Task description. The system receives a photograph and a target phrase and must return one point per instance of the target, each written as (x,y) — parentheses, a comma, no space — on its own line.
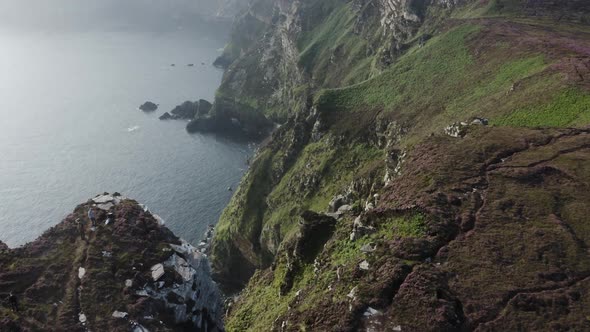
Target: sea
(70,127)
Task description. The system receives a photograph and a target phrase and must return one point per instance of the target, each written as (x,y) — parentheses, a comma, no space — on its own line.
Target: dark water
(70,128)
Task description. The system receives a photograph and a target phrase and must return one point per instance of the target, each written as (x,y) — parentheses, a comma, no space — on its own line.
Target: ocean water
(70,127)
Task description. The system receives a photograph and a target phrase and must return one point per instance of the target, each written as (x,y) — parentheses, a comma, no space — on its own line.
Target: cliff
(131,274)
(442,148)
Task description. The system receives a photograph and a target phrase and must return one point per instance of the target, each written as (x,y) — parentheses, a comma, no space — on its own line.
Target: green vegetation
(260,305)
(571,107)
(332,52)
(446,71)
(320,173)
(443,82)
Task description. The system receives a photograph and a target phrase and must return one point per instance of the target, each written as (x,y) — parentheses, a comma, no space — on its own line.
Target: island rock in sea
(138,276)
(148,106)
(188,110)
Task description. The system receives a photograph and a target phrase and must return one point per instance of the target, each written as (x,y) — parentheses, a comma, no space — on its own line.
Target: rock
(166,116)
(480,122)
(456,130)
(82,318)
(105,207)
(128,283)
(119,314)
(181,267)
(187,110)
(81,272)
(344,208)
(371,312)
(204,107)
(359,230)
(352,293)
(102,199)
(336,203)
(368,248)
(157,271)
(364,265)
(138,327)
(148,106)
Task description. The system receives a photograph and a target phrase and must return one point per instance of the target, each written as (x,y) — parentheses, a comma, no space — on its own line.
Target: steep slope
(130,275)
(369,94)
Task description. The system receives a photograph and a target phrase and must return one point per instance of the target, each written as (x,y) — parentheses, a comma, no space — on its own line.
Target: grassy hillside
(374,133)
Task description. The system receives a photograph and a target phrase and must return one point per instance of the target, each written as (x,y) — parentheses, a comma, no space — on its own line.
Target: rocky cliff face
(403,124)
(128,273)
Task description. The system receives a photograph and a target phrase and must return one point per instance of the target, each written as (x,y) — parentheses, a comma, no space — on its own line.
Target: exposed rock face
(106,281)
(148,106)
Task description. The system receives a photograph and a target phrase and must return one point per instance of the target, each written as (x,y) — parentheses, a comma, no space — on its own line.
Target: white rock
(139,328)
(128,283)
(181,267)
(344,208)
(81,272)
(397,328)
(368,248)
(120,314)
(371,312)
(103,199)
(352,293)
(106,206)
(82,318)
(142,292)
(364,265)
(157,271)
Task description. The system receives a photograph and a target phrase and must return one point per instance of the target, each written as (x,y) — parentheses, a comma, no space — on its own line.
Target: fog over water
(73,73)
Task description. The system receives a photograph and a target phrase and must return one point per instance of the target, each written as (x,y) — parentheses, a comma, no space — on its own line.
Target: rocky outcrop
(148,106)
(188,110)
(129,272)
(228,117)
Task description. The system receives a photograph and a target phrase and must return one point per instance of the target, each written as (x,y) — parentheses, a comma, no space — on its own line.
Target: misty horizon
(85,15)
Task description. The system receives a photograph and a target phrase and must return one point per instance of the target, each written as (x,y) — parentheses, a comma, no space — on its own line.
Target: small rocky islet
(148,106)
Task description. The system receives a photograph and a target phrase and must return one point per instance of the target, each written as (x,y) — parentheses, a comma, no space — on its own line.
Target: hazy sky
(93,14)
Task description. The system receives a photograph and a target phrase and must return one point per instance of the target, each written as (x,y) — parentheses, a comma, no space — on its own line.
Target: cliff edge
(127,272)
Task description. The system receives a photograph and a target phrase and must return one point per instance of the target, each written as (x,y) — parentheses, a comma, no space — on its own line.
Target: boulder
(480,122)
(186,110)
(336,203)
(166,116)
(157,271)
(148,106)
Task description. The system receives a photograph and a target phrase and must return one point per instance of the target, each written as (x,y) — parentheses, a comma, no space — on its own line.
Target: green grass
(331,51)
(419,76)
(334,168)
(570,107)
